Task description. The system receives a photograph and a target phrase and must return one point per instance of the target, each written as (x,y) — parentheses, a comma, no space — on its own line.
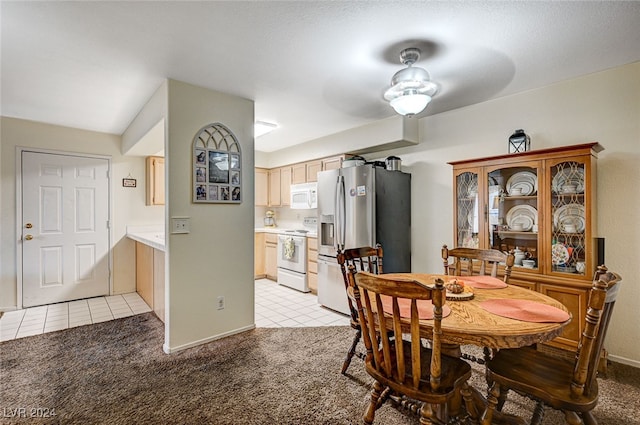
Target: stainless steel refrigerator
(361,206)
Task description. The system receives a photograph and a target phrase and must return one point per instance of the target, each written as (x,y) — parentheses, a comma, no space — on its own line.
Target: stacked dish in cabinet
(569,217)
(517,227)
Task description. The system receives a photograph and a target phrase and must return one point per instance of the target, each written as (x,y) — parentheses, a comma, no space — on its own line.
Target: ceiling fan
(411,88)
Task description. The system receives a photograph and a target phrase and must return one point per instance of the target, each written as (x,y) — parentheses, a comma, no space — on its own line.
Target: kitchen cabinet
(271,255)
(285,186)
(299,173)
(154,180)
(275,187)
(262,187)
(313,168)
(158,283)
(150,277)
(272,187)
(332,163)
(541,203)
(312,264)
(258,255)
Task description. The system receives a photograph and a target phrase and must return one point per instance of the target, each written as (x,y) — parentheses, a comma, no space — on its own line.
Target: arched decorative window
(217,166)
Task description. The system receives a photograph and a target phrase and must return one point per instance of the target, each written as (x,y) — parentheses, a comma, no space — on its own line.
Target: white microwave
(304,196)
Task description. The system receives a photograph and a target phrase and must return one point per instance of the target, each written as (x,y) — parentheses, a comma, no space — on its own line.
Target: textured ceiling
(314,67)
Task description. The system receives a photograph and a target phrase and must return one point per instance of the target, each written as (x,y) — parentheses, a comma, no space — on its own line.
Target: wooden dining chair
(470,261)
(403,366)
(483,262)
(569,386)
(363,259)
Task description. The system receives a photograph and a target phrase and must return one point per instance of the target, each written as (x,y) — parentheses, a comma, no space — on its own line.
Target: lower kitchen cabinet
(158,283)
(150,277)
(271,255)
(258,256)
(312,264)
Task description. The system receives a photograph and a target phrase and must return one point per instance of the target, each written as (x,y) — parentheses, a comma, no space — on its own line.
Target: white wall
(128,203)
(216,257)
(602,107)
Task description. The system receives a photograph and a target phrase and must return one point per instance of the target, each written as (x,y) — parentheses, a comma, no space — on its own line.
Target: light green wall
(216,257)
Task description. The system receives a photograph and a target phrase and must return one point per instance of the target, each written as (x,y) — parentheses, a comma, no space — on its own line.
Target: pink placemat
(525,310)
(425,307)
(483,282)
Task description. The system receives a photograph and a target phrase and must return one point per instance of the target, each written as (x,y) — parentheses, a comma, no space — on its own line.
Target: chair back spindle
(602,298)
(467,260)
(362,259)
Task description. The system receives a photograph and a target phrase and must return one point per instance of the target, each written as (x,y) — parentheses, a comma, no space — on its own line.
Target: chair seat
(454,372)
(541,376)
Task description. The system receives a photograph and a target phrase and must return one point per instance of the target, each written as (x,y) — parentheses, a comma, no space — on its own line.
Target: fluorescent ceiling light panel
(262,127)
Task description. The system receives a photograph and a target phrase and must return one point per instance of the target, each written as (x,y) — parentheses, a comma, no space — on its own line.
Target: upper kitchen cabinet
(155,180)
(262,187)
(332,163)
(285,185)
(299,173)
(313,168)
(541,205)
(275,188)
(306,172)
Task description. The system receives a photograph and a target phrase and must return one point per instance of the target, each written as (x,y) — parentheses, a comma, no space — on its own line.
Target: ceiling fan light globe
(410,104)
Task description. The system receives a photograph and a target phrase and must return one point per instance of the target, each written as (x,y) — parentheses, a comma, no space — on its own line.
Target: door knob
(28,237)
(28,225)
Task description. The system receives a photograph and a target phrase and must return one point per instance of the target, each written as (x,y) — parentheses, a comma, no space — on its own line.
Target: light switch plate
(180,224)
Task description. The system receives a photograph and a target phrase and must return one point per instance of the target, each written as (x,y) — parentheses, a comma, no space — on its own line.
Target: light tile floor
(55,317)
(276,306)
(279,306)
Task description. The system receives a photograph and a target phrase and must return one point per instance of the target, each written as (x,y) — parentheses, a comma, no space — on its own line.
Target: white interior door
(65,229)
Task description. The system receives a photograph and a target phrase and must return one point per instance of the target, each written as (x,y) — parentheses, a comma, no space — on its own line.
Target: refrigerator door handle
(340,213)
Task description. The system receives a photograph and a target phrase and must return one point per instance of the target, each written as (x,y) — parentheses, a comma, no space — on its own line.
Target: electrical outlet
(220,303)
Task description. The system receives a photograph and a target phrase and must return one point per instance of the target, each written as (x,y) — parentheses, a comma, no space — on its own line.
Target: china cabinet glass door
(569,218)
(513,212)
(467,210)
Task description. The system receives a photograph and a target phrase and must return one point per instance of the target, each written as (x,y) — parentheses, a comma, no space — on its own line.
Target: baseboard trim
(624,360)
(171,350)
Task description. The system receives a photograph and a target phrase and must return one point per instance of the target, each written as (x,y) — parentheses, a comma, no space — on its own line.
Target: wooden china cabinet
(542,204)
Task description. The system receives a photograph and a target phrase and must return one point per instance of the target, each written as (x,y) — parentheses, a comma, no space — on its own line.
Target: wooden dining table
(470,323)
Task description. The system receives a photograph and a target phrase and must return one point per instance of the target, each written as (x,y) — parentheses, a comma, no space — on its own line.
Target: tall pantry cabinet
(542,205)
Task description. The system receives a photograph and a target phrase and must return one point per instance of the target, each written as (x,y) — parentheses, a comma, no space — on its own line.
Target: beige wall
(216,257)
(603,107)
(128,203)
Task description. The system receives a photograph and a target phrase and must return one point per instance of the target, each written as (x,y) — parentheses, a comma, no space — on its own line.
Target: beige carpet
(116,373)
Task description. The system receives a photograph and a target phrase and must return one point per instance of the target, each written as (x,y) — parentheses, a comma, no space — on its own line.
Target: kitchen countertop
(310,234)
(155,238)
(152,236)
